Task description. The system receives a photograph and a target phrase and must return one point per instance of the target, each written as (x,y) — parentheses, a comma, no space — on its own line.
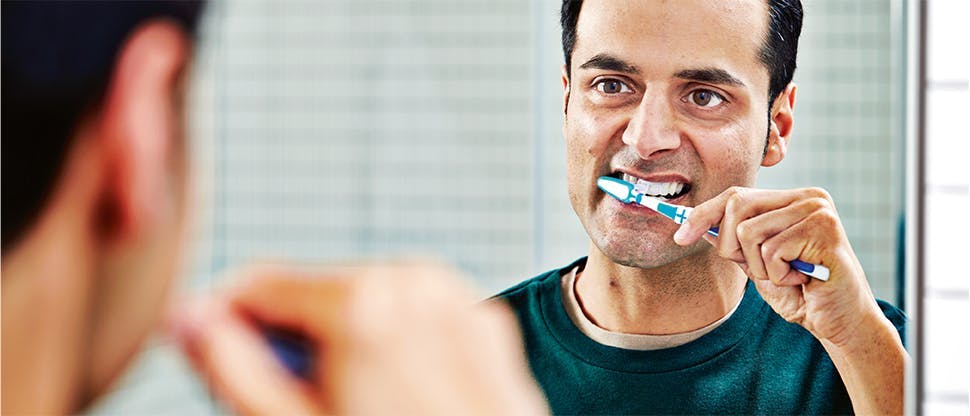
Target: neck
(672,299)
(47,299)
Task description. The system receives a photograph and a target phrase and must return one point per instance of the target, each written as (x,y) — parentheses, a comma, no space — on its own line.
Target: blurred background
(337,129)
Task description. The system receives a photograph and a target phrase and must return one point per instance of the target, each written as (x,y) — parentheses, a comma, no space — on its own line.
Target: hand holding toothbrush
(771,234)
(761,230)
(386,338)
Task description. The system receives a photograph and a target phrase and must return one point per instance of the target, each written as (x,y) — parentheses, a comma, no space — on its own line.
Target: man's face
(672,93)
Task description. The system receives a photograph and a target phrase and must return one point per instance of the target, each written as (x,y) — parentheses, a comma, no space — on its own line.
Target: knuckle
(825,218)
(819,192)
(770,251)
(816,204)
(736,196)
(734,190)
(746,232)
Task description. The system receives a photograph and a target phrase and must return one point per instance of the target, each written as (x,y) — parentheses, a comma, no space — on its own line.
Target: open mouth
(663,190)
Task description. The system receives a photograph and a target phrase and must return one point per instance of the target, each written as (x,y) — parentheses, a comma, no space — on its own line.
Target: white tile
(946,241)
(948,140)
(946,408)
(946,363)
(947,56)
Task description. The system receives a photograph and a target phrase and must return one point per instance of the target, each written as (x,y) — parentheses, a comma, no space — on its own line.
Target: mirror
(340,129)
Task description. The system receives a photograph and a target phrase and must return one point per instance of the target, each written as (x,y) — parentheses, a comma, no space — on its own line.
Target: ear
(565,89)
(141,127)
(782,121)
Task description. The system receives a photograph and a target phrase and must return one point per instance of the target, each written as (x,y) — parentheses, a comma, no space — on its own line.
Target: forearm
(871,366)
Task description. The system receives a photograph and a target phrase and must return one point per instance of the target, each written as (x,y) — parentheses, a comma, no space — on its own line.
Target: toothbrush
(627,193)
(293,351)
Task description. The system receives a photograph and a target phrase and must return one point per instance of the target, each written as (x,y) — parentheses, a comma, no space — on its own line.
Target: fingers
(404,337)
(747,218)
(237,363)
(762,231)
(727,210)
(703,217)
(284,296)
(810,240)
(752,233)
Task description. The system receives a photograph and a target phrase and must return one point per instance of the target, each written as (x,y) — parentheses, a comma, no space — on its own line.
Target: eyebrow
(710,75)
(610,63)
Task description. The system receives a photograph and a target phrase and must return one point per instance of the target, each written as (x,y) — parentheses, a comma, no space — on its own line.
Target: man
(94,195)
(690,98)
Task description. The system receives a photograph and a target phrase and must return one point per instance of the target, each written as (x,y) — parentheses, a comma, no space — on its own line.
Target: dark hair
(777,53)
(57,58)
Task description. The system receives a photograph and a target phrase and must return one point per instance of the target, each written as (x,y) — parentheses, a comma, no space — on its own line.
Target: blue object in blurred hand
(293,351)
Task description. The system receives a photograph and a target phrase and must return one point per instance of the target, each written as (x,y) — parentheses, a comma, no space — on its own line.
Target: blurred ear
(141,125)
(779,131)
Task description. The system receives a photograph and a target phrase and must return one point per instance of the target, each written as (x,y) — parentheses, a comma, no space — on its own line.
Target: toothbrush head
(617,188)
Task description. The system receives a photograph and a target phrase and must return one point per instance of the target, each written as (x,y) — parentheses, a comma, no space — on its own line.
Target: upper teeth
(654,188)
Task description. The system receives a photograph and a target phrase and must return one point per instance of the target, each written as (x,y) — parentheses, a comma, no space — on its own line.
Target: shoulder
(526,288)
(527,291)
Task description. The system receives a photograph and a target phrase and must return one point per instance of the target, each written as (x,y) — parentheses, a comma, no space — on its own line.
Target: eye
(612,86)
(706,98)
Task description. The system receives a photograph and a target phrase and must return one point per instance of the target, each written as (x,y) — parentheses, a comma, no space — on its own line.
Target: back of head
(57,58)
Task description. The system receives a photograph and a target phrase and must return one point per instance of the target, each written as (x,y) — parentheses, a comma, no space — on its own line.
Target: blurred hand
(405,338)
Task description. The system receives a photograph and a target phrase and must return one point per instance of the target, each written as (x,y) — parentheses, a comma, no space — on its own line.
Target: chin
(639,260)
(642,254)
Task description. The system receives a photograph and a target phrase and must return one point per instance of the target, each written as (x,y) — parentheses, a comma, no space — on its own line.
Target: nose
(651,127)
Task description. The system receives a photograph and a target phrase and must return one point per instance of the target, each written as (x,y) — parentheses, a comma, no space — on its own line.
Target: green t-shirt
(753,363)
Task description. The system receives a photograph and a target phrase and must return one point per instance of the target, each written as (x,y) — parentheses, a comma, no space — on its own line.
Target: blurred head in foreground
(94,187)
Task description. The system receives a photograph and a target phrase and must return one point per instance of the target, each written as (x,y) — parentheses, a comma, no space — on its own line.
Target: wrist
(872,334)
(870,362)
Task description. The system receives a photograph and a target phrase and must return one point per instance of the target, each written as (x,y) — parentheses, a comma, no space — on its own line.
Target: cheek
(588,149)
(590,134)
(732,153)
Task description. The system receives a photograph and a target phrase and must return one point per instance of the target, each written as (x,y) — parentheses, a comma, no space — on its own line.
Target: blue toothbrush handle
(817,271)
(294,352)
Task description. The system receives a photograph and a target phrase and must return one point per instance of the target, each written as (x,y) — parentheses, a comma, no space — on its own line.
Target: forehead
(687,33)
